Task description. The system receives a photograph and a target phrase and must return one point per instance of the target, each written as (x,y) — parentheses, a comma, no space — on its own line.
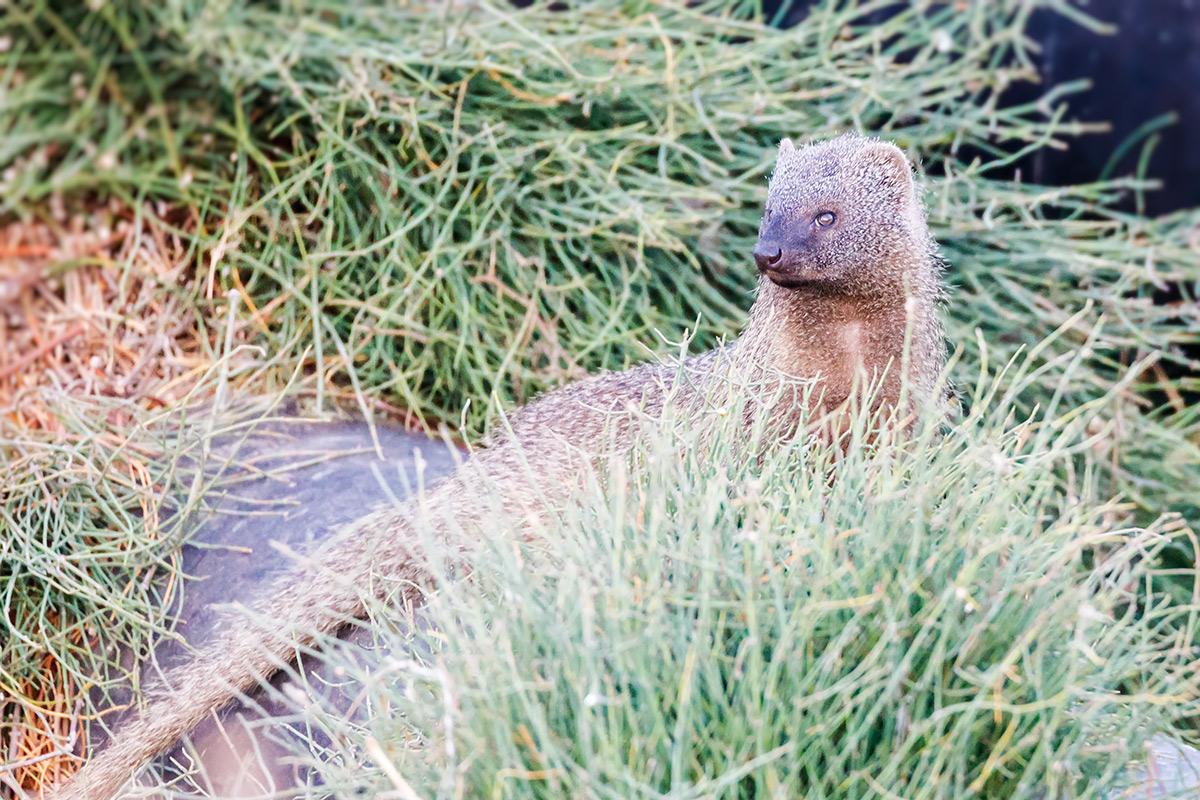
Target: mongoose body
(848,296)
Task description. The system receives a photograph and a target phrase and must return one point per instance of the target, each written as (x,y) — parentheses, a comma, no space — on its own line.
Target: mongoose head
(842,215)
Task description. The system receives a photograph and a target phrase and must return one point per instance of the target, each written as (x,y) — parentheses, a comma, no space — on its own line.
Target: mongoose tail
(850,283)
(358,563)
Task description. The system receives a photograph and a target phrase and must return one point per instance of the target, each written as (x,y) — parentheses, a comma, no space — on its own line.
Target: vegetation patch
(933,618)
(429,210)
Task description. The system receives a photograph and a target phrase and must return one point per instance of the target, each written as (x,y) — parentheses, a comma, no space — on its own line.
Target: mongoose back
(848,275)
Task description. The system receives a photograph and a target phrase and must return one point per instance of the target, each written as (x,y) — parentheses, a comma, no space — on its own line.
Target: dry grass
(96,305)
(87,307)
(416,230)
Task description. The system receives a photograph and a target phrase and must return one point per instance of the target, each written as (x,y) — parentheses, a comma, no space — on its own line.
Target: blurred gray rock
(1171,769)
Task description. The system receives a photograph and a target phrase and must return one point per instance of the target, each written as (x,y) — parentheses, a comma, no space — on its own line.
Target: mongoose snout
(798,238)
(767,254)
(785,256)
(791,249)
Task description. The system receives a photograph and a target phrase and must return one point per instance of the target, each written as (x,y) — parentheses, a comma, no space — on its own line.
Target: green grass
(481,203)
(937,619)
(441,209)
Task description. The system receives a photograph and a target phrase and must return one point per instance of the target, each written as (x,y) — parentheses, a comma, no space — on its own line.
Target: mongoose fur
(849,274)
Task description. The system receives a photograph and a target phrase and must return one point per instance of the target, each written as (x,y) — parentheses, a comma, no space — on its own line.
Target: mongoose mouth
(789,280)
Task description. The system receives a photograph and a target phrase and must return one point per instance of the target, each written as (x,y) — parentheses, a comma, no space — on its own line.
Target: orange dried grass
(86,305)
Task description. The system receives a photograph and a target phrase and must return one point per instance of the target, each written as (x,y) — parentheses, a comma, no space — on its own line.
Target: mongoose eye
(826,218)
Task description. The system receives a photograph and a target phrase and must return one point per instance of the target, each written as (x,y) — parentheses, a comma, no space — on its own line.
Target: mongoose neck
(846,339)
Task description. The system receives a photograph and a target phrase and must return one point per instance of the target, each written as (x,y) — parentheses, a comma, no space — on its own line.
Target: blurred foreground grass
(930,619)
(433,208)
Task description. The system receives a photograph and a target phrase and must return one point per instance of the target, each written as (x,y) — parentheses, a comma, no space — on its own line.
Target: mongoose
(848,272)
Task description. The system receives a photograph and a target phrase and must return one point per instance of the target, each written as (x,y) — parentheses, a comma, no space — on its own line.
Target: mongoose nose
(767,255)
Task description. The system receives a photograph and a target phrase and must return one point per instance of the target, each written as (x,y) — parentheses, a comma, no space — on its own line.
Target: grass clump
(433,209)
(89,559)
(456,203)
(935,618)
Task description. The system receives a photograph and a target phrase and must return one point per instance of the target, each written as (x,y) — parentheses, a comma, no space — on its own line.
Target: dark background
(1149,68)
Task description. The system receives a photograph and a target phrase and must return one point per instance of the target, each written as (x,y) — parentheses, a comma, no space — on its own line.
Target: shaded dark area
(1145,79)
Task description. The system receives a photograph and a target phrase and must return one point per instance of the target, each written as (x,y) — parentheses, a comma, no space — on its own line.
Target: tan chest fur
(846,345)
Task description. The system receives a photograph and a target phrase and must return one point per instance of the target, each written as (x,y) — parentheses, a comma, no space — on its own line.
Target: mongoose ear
(896,165)
(786,148)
